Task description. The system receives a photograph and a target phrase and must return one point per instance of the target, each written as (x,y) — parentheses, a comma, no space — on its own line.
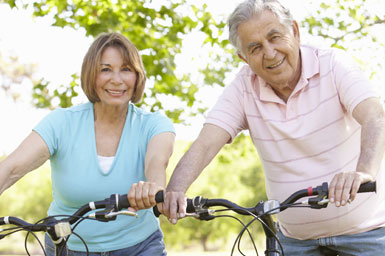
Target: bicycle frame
(60,229)
(199,208)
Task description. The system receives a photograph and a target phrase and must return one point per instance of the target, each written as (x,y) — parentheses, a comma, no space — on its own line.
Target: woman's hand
(142,195)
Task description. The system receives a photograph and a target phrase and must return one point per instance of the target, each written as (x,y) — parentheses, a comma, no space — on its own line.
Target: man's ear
(242,58)
(296,30)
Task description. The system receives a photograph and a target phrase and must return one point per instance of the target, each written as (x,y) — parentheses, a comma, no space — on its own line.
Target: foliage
(13,74)
(341,21)
(30,197)
(353,26)
(157,29)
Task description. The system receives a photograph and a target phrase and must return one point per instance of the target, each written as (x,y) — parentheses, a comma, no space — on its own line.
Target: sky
(58,53)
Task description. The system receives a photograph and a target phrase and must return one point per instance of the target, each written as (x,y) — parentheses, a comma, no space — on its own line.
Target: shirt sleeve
(228,112)
(159,124)
(49,129)
(352,84)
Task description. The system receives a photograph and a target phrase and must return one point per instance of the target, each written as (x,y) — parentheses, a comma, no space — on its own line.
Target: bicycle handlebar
(322,191)
(199,205)
(118,202)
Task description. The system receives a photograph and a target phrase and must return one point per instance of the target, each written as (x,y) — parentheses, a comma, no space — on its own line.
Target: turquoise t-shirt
(78,179)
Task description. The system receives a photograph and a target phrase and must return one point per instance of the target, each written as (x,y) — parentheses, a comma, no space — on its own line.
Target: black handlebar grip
(159,198)
(123,201)
(189,209)
(368,187)
(190,206)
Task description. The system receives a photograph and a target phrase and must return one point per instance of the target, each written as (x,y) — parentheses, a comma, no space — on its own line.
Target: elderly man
(313,117)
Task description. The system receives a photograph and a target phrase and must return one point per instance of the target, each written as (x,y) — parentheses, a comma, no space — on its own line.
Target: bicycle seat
(327,251)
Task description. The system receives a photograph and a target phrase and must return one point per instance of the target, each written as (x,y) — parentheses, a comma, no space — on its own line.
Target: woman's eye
(126,69)
(105,70)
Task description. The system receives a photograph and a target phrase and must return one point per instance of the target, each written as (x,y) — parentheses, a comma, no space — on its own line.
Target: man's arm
(210,140)
(370,115)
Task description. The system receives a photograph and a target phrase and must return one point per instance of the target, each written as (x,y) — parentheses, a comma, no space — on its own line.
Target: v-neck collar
(93,134)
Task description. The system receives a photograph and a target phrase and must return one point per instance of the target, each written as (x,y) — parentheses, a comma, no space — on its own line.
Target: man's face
(271,50)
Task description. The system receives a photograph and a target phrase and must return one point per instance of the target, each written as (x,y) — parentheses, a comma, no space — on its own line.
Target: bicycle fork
(272,246)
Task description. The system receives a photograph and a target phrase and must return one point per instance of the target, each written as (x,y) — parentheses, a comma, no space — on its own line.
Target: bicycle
(199,208)
(61,229)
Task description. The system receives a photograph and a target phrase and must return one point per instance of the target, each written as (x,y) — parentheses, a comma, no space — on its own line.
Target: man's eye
(275,37)
(255,49)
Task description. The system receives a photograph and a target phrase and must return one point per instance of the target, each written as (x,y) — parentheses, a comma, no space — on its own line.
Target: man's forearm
(210,140)
(372,145)
(188,169)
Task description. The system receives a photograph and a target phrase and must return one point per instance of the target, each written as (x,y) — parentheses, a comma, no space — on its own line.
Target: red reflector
(309,191)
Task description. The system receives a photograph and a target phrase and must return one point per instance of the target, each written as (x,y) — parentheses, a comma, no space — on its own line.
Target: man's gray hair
(253,8)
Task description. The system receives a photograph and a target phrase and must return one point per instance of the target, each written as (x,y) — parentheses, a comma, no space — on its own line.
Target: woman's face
(115,81)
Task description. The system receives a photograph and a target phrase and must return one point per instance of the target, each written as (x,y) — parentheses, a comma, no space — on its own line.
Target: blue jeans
(152,246)
(364,244)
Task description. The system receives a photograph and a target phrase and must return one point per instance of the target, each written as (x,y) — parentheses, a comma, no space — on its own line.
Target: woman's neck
(110,114)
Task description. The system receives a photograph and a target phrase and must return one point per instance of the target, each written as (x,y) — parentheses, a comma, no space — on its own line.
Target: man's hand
(344,186)
(174,206)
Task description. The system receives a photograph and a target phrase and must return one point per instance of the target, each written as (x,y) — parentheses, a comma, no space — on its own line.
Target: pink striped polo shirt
(307,140)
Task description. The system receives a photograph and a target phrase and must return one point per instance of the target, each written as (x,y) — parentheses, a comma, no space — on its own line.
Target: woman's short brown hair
(91,64)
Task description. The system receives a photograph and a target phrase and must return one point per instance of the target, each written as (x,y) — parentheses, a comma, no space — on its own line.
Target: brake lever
(123,212)
(318,202)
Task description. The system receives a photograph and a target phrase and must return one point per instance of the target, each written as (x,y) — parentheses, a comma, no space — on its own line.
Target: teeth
(114,92)
(276,64)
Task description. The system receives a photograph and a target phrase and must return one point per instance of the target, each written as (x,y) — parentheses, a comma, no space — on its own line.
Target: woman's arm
(159,150)
(30,154)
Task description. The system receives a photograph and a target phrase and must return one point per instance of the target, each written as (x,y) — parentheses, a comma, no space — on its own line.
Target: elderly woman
(105,146)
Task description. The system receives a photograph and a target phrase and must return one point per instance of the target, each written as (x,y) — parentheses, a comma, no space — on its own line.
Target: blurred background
(188,60)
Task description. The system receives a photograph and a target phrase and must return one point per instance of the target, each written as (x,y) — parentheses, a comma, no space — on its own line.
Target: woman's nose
(116,77)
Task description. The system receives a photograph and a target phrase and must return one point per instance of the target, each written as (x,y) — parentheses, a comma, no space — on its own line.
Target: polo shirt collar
(310,67)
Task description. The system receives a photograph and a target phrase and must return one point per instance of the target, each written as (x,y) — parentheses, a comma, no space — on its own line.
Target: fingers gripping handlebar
(124,203)
(320,191)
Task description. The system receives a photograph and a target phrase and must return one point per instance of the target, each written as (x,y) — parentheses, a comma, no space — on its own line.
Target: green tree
(341,21)
(157,28)
(351,25)
(13,74)
(28,199)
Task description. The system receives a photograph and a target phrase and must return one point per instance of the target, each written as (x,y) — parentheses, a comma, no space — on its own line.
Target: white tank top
(105,163)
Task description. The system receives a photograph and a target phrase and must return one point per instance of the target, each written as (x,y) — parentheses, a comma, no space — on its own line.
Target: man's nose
(269,51)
